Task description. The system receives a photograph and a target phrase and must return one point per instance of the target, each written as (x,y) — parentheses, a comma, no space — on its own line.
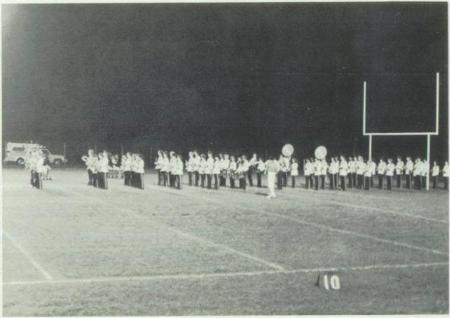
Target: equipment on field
(287,150)
(320,152)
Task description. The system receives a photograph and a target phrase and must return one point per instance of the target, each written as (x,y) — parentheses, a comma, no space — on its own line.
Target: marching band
(213,171)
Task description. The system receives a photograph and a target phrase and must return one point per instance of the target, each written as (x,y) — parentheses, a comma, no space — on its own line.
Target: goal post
(428,134)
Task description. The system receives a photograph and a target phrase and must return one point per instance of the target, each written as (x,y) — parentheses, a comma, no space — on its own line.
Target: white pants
(271,176)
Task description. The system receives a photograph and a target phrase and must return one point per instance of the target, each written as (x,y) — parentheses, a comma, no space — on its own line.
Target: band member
(381,170)
(425,172)
(89,161)
(190,167)
(209,169)
(126,168)
(323,173)
(225,164)
(260,169)
(317,173)
(435,174)
(158,167)
(202,170)
(334,172)
(343,171)
(280,173)
(367,175)
(308,171)
(399,168)
(173,167)
(242,170)
(103,168)
(390,168)
(373,170)
(285,165)
(446,174)
(417,173)
(232,171)
(178,171)
(34,161)
(294,171)
(272,168)
(409,167)
(351,172)
(360,169)
(46,168)
(251,169)
(138,171)
(216,172)
(196,167)
(114,168)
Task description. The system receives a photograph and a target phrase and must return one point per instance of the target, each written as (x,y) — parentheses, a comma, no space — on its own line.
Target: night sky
(225,77)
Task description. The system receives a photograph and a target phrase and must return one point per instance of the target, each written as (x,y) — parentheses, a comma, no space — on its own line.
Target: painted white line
(378,210)
(36,265)
(223,275)
(197,238)
(320,226)
(354,206)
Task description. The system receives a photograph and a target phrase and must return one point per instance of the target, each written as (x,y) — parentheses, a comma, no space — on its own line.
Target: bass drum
(287,150)
(320,152)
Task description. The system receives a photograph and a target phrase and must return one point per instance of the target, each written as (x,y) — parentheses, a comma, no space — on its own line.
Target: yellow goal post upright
(428,134)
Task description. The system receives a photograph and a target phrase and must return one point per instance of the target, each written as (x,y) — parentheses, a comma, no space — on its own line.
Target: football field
(72,249)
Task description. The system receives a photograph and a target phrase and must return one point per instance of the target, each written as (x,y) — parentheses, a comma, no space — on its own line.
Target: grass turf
(76,250)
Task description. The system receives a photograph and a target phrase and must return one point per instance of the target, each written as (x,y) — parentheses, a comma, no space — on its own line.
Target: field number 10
(331,282)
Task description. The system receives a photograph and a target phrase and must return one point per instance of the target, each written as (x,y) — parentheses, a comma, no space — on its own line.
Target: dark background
(225,77)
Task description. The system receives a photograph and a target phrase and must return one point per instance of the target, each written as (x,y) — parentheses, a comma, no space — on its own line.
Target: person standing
(323,172)
(196,167)
(89,161)
(225,164)
(360,169)
(260,169)
(381,170)
(272,168)
(446,174)
(209,169)
(158,167)
(280,173)
(232,171)
(317,173)
(390,168)
(409,168)
(308,171)
(178,172)
(242,169)
(417,173)
(190,167)
(343,171)
(139,170)
(367,175)
(251,169)
(103,169)
(294,171)
(435,174)
(351,171)
(425,172)
(216,172)
(202,170)
(399,168)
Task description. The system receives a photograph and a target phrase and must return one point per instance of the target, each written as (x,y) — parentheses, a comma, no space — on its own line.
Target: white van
(16,152)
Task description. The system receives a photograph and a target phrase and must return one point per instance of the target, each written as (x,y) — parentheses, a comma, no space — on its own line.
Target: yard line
(107,279)
(355,206)
(318,225)
(36,265)
(198,239)
(378,209)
